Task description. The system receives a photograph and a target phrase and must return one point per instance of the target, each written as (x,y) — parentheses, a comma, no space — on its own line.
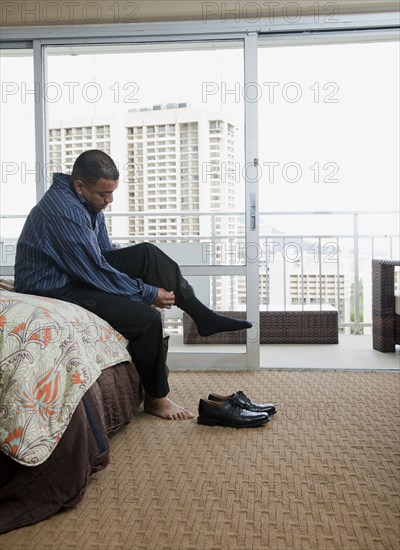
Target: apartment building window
(66,144)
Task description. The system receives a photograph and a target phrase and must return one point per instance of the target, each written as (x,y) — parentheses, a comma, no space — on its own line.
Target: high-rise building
(172,157)
(68,141)
(180,159)
(327,285)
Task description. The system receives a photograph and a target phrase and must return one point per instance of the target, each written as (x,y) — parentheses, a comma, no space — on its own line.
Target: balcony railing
(296,267)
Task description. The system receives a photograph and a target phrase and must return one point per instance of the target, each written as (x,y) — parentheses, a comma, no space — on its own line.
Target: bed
(66,383)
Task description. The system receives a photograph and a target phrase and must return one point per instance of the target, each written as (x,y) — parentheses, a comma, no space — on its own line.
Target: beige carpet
(323,474)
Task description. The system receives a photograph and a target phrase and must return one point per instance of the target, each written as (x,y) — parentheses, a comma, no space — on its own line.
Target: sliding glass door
(329,142)
(172,115)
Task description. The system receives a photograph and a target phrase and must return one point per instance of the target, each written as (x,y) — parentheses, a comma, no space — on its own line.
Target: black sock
(208,322)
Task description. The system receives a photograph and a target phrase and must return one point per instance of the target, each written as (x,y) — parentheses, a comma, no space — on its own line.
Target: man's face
(98,195)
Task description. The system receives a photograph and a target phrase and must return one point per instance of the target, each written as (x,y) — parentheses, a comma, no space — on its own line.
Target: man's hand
(164,299)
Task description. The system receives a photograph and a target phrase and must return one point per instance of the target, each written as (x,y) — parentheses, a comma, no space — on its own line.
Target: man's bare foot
(165,408)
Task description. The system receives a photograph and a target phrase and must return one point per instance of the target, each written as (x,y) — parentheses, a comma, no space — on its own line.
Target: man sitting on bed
(64,252)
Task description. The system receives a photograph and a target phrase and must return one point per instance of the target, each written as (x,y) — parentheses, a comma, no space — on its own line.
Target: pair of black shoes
(236,411)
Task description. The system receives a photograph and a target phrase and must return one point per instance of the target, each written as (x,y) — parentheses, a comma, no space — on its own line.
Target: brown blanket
(31,494)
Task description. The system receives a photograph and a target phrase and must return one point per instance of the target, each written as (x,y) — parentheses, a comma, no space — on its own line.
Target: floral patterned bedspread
(51,352)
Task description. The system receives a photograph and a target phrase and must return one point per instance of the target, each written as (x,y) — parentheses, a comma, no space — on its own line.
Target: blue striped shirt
(63,242)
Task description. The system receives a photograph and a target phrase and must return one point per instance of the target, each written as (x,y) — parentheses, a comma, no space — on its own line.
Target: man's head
(95,178)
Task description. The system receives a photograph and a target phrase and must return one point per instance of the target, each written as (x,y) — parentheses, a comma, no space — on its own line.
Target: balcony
(354,352)
(344,257)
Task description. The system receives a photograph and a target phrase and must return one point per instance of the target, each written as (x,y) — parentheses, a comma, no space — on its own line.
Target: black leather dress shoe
(228,413)
(243,401)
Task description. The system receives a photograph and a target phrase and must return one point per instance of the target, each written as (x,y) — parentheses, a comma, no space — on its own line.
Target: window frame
(346,27)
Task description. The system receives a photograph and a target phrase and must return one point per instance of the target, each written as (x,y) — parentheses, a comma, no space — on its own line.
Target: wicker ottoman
(295,325)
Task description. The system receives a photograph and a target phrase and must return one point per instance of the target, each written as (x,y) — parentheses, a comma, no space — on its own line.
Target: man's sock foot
(215,323)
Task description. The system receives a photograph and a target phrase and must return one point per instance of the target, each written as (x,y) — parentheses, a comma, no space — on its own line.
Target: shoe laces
(238,399)
(235,401)
(241,395)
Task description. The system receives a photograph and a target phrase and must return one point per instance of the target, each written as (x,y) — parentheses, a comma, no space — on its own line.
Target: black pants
(138,322)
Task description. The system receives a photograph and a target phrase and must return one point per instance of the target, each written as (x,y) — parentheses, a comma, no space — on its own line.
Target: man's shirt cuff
(149,294)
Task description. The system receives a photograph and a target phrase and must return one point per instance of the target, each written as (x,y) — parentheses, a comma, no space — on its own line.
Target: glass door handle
(253,212)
